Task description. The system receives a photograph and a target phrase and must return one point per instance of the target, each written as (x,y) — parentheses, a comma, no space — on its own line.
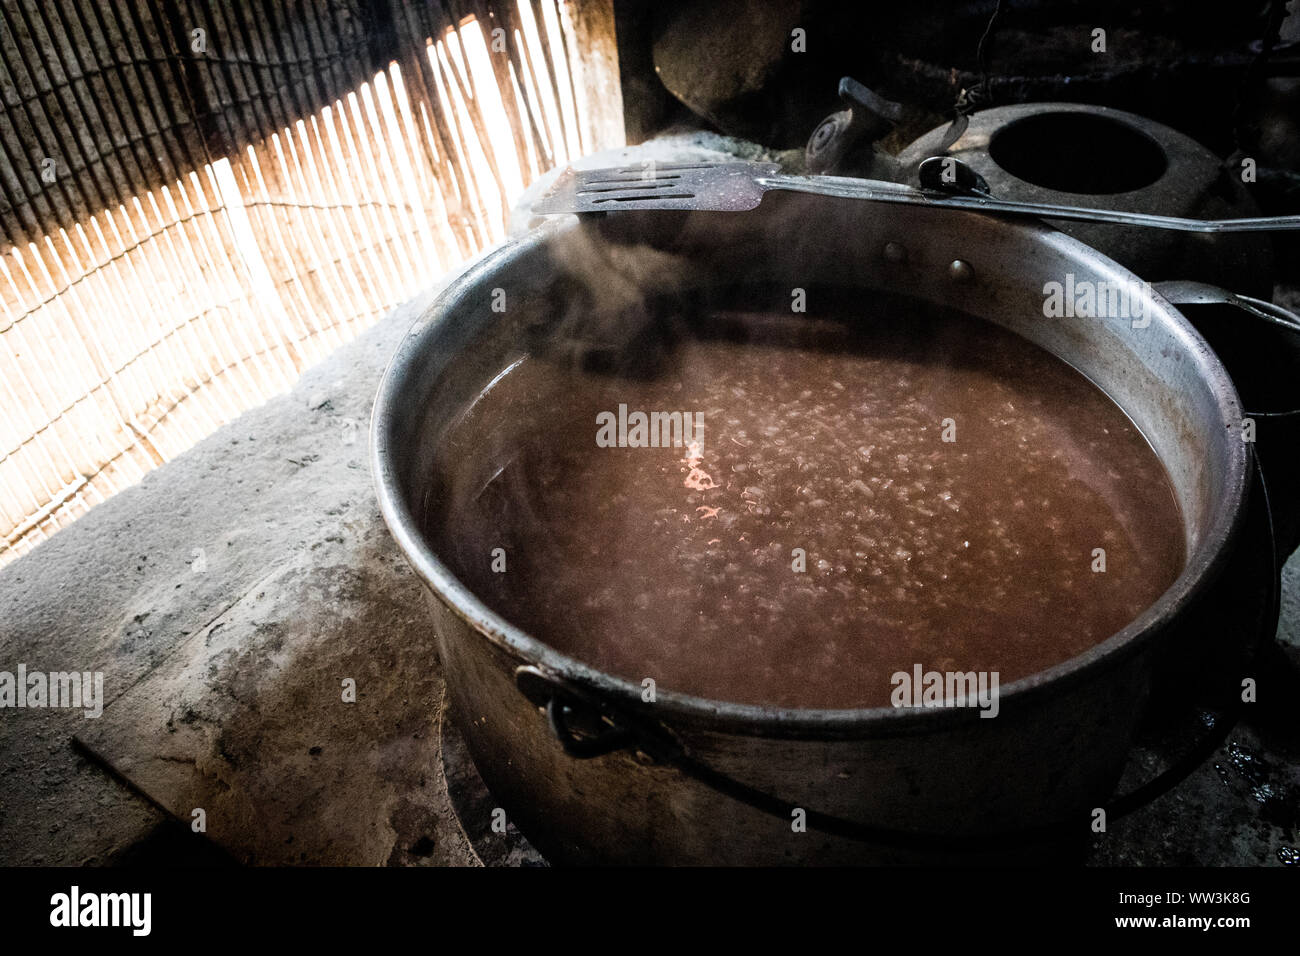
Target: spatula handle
(873,191)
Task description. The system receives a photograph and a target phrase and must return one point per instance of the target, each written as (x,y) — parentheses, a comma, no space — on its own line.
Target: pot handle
(587,727)
(1187,292)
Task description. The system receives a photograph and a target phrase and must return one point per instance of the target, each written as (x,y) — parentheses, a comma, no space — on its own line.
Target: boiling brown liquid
(676,563)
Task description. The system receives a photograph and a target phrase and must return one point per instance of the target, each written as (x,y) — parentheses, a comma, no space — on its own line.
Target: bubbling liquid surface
(926,489)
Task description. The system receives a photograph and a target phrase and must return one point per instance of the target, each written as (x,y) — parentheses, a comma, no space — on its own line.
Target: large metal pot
(687,780)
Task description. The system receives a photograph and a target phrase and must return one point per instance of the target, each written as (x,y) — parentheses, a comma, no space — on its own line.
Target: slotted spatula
(737,187)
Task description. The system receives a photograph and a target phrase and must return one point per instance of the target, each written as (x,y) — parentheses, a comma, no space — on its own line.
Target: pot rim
(674,708)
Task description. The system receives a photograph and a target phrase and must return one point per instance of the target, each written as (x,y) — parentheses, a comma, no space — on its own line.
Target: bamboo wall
(200,199)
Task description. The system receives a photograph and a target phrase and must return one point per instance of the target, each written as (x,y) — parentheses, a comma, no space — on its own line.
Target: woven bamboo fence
(201,199)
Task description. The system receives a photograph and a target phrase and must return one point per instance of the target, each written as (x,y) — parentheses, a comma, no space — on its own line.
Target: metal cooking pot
(592,773)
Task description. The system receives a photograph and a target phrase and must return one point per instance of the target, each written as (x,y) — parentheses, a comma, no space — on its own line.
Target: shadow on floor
(173,844)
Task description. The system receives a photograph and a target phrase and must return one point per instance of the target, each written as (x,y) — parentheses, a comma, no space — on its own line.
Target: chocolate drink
(924,488)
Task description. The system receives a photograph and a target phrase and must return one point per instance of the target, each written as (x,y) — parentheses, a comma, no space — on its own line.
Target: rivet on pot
(895,252)
(961,271)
